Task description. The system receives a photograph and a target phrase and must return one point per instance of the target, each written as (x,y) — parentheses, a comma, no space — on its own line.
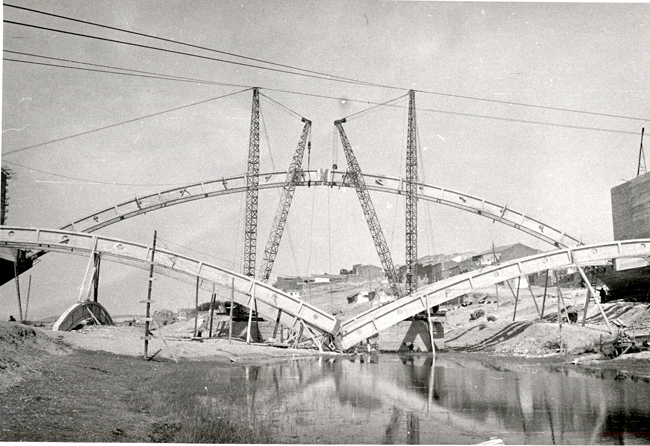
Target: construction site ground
(87,385)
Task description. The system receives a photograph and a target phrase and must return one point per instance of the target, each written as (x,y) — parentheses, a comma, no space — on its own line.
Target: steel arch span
(323,177)
(268,301)
(373,321)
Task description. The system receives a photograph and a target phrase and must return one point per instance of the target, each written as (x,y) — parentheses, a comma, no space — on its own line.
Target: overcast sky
(511,101)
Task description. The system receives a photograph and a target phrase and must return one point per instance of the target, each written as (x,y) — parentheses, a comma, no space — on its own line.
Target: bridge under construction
(21,246)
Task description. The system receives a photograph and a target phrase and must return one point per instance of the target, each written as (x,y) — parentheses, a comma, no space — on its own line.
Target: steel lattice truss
(411,200)
(252,188)
(294,175)
(355,176)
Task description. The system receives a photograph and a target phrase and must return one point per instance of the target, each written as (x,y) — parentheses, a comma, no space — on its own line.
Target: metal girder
(252,188)
(321,177)
(373,321)
(355,176)
(177,266)
(293,176)
(411,199)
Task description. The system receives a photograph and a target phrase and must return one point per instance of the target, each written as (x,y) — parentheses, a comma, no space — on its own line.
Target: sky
(537,106)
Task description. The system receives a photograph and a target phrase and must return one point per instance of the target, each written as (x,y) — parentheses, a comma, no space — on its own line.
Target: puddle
(393,399)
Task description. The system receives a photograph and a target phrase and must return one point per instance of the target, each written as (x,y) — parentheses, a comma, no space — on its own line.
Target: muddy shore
(93,384)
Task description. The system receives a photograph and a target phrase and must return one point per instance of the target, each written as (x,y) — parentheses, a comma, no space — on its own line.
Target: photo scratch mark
(16,130)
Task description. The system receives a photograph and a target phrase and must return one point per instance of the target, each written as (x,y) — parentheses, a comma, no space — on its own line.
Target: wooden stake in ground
(433,345)
(544,299)
(148,301)
(534,299)
(196,306)
(250,313)
(232,304)
(602,312)
(29,288)
(171,352)
(212,301)
(514,313)
(20,307)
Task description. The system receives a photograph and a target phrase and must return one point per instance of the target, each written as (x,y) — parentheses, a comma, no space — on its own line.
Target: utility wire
(181,53)
(146,74)
(282,106)
(10,152)
(388,104)
(85,180)
(162,39)
(307,73)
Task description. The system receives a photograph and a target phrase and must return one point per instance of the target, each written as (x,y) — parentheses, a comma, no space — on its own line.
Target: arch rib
(270,300)
(323,177)
(371,322)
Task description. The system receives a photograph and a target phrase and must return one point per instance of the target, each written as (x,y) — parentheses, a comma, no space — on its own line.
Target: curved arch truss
(287,309)
(323,177)
(373,321)
(266,300)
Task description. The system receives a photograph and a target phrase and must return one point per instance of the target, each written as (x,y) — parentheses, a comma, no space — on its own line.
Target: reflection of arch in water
(82,312)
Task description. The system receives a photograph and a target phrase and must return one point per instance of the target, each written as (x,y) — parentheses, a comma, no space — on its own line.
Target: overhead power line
(305,72)
(128,71)
(86,180)
(174,78)
(176,42)
(181,53)
(10,152)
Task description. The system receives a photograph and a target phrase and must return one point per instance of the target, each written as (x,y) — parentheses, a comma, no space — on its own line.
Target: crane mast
(293,176)
(411,199)
(252,188)
(355,176)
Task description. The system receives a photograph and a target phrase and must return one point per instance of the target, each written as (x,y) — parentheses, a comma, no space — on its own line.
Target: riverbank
(94,385)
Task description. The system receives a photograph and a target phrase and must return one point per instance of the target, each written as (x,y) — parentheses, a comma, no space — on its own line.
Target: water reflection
(412,399)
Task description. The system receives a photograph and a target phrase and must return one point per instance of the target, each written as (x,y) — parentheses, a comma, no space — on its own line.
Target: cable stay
(294,175)
(375,107)
(355,176)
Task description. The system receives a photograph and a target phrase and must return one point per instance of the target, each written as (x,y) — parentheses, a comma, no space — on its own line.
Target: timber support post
(232,304)
(149,301)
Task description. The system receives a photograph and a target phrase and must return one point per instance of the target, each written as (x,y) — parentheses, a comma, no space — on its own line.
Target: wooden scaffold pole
(149,301)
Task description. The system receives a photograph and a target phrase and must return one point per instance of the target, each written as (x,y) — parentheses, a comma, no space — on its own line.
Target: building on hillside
(368,272)
(444,270)
(329,278)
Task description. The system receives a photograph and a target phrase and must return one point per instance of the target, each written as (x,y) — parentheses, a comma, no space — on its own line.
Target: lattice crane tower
(294,175)
(411,199)
(252,188)
(356,177)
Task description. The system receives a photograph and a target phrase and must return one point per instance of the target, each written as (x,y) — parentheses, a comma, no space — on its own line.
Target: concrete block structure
(631,208)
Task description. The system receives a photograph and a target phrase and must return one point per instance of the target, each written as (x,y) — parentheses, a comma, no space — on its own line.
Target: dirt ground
(81,386)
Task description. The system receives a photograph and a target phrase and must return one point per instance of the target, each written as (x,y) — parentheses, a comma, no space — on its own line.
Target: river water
(456,399)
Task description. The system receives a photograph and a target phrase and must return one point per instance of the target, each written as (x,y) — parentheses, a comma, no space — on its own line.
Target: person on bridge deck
(12,319)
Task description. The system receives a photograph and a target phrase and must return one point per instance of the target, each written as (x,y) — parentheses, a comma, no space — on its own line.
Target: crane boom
(282,212)
(356,177)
